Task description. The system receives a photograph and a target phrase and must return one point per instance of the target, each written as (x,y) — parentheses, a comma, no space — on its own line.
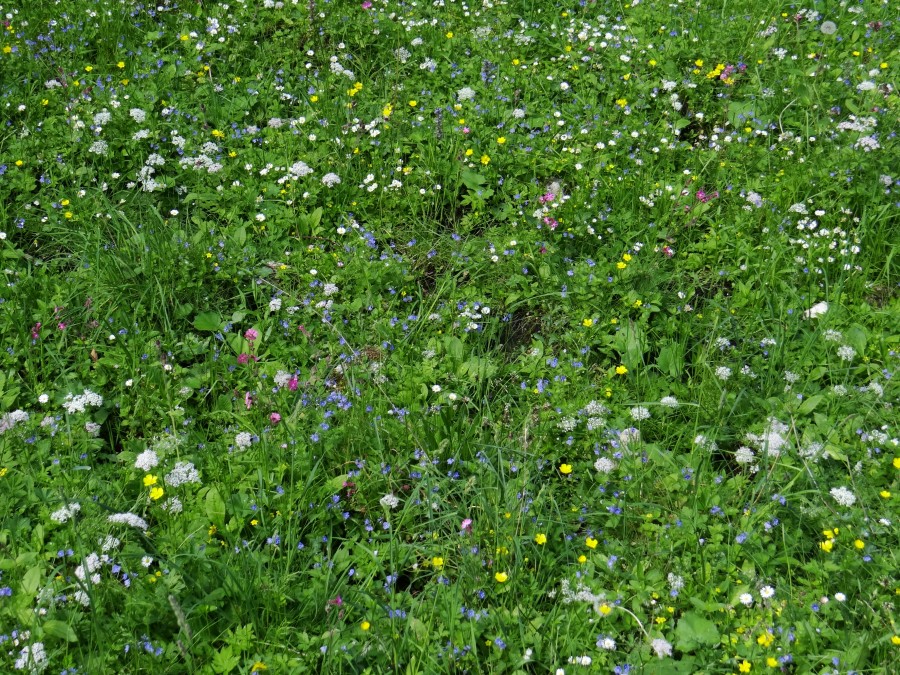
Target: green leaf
(208,321)
(809,405)
(473,180)
(32,580)
(215,507)
(694,630)
(60,629)
(225,661)
(336,483)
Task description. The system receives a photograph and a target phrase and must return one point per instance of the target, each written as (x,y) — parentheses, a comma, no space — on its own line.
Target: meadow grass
(446,337)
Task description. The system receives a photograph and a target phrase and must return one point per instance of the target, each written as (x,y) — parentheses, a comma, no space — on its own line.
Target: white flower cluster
(128,519)
(604,465)
(243,440)
(11,419)
(389,501)
(843,496)
(181,474)
(63,514)
(78,404)
(146,460)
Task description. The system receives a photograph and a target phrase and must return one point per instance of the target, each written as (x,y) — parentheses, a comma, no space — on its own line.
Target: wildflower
(413,104)
(501,577)
(258,666)
(591,543)
(621,370)
(746,599)
(156,493)
(146,460)
(816,310)
(437,562)
(587,323)
(501,140)
(846,352)
(149,480)
(661,648)
(828,28)
(565,469)
(389,501)
(669,402)
(745,666)
(485,160)
(604,465)
(766,592)
(827,545)
(365,625)
(859,544)
(604,609)
(723,373)
(772,662)
(466,526)
(540,539)
(843,496)
(128,519)
(582,559)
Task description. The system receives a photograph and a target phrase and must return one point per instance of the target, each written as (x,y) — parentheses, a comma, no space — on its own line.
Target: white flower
(580,660)
(68,511)
(466,94)
(639,413)
(331,179)
(661,647)
(604,465)
(43,398)
(846,352)
(128,519)
(828,27)
(669,402)
(389,501)
(243,440)
(816,310)
(146,561)
(181,474)
(840,597)
(33,657)
(606,643)
(723,373)
(843,496)
(746,599)
(274,304)
(436,388)
(766,592)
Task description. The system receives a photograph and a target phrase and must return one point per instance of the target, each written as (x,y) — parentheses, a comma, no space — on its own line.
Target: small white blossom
(843,496)
(661,648)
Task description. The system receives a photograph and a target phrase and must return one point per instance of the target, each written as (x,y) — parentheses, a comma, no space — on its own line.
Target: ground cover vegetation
(425,337)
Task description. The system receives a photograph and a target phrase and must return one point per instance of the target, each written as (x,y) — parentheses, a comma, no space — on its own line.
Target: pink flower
(466,526)
(251,334)
(243,358)
(292,383)
(248,400)
(61,326)
(274,418)
(366,4)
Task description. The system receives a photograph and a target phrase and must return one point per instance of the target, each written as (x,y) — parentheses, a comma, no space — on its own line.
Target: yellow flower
(591,542)
(516,62)
(626,257)
(860,544)
(896,459)
(501,577)
(45,101)
(582,559)
(449,34)
(212,530)
(19,162)
(587,323)
(895,640)
(259,665)
(387,110)
(413,104)
(765,639)
(156,493)
(620,265)
(652,62)
(68,214)
(65,202)
(501,140)
(218,134)
(604,609)
(621,102)
(565,469)
(885,494)
(772,662)
(638,303)
(539,539)
(699,63)
(365,625)
(120,64)
(745,666)
(88,69)
(149,480)
(621,370)
(254,522)
(313,98)
(437,562)
(485,160)
(4,471)
(827,545)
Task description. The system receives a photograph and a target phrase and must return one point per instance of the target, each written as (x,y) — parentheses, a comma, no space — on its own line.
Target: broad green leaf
(694,630)
(208,321)
(215,507)
(60,629)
